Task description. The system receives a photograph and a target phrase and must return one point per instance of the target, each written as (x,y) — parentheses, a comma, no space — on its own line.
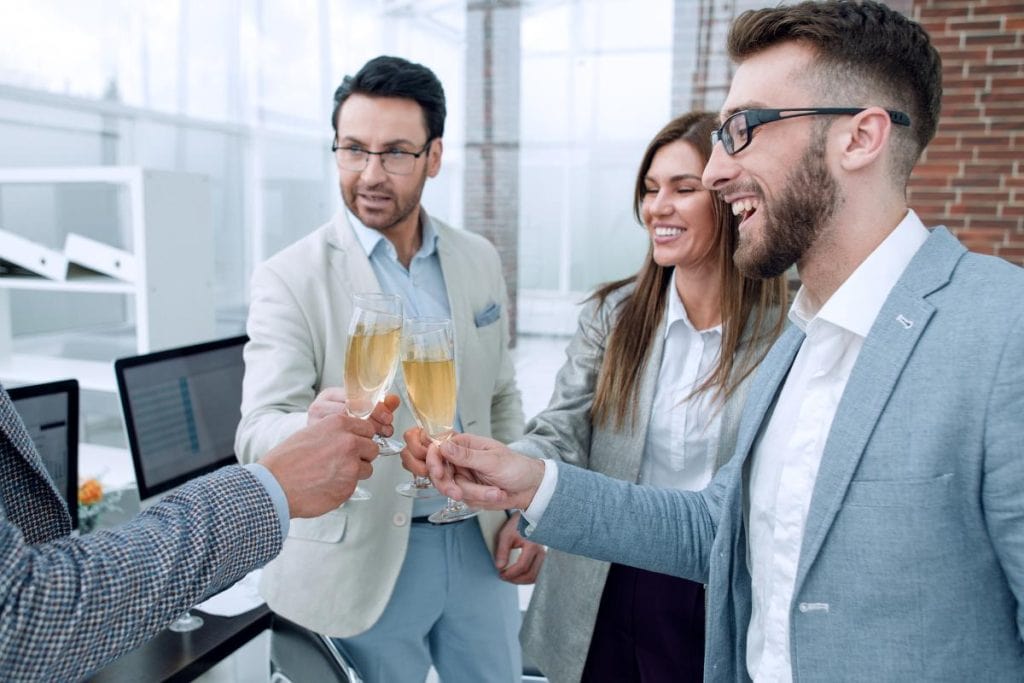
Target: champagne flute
(428,365)
(371,360)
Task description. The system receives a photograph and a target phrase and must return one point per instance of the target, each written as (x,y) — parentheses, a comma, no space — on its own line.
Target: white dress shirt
(784,467)
(682,435)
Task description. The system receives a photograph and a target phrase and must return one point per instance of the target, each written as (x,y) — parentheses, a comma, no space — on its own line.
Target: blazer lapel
(631,444)
(886,351)
(350,264)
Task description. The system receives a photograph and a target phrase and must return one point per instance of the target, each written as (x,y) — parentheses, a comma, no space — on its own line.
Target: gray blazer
(912,566)
(72,604)
(560,622)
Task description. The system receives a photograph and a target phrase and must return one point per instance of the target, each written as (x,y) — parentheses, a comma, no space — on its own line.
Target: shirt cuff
(275,492)
(545,491)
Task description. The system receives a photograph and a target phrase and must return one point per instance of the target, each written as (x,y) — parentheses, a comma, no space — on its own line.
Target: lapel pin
(907,324)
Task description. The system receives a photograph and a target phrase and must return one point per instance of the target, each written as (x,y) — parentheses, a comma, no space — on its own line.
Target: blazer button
(802,607)
(400,519)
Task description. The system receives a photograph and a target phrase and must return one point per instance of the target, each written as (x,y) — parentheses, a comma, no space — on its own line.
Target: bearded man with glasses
(870,524)
(395,593)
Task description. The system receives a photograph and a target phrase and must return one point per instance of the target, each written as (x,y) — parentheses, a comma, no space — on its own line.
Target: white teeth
(667,232)
(742,206)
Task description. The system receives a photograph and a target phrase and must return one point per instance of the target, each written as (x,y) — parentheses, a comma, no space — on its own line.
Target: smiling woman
(650,393)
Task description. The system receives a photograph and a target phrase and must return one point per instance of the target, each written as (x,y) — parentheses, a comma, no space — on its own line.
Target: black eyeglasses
(737,131)
(395,161)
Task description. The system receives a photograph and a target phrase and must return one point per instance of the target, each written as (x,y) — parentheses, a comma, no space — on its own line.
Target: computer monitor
(50,412)
(181,409)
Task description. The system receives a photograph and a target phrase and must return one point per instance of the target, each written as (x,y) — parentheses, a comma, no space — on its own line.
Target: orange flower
(90,492)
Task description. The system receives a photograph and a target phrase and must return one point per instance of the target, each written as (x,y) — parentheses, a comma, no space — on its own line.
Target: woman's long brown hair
(744,300)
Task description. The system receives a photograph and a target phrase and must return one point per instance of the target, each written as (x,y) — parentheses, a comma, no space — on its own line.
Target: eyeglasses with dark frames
(738,130)
(395,161)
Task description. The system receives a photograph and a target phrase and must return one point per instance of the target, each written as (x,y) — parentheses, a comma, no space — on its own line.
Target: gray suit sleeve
(563,430)
(662,530)
(73,604)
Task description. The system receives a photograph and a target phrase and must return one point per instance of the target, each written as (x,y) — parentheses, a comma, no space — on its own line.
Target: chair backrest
(298,655)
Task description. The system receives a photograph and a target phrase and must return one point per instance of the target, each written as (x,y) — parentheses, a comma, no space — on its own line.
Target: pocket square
(487,316)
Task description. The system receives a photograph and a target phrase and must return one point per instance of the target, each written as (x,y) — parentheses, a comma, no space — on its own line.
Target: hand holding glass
(371,360)
(428,365)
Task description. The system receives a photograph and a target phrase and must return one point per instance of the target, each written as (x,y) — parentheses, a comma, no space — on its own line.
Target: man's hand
(330,401)
(414,455)
(484,473)
(318,467)
(531,555)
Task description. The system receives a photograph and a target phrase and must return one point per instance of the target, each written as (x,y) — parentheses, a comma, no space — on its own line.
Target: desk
(184,656)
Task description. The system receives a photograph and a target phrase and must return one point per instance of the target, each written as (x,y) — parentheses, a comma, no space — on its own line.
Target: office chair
(298,655)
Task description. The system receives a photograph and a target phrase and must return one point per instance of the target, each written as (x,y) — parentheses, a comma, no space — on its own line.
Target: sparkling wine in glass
(371,360)
(428,366)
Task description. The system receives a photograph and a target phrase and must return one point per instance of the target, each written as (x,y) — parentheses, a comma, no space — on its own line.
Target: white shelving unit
(172,242)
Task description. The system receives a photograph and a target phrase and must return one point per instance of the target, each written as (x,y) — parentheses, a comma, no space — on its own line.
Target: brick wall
(491,179)
(971,177)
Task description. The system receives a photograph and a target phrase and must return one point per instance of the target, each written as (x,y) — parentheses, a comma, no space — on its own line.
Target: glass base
(185,623)
(360,494)
(416,488)
(454,511)
(388,446)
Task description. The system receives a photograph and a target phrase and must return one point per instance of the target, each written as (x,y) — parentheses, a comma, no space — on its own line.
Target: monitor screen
(50,413)
(181,409)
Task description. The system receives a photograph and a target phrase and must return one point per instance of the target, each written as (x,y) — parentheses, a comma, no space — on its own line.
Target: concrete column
(491,192)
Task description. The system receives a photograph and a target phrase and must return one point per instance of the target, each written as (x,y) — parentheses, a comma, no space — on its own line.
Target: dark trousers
(649,629)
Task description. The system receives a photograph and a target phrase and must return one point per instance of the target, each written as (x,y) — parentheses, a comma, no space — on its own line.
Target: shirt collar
(675,311)
(858,301)
(370,239)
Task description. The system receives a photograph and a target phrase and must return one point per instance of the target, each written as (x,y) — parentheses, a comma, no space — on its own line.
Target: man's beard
(795,220)
(403,206)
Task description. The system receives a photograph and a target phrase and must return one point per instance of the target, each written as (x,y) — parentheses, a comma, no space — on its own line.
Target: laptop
(50,413)
(181,408)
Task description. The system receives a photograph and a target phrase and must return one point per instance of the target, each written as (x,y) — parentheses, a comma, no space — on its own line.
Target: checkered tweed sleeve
(73,604)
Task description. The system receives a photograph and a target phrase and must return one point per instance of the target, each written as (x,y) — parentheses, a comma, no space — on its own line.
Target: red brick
(931,170)
(1013,55)
(990,168)
(978,181)
(982,141)
(1011,211)
(983,233)
(989,39)
(994,8)
(997,154)
(961,97)
(956,56)
(1014,24)
(935,195)
(947,42)
(986,23)
(982,198)
(1012,68)
(1004,83)
(939,15)
(943,155)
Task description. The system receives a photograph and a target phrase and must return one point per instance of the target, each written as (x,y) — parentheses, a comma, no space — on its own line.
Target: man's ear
(865,139)
(434,157)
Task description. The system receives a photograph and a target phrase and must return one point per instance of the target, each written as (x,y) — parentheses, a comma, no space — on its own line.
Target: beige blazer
(336,572)
(560,622)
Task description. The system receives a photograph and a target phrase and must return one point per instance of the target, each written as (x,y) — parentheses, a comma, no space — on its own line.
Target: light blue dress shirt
(421,287)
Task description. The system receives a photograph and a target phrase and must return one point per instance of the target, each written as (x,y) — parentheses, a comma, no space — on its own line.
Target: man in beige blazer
(397,593)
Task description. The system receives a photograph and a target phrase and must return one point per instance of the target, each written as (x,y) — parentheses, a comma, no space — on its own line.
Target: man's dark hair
(387,76)
(867,54)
